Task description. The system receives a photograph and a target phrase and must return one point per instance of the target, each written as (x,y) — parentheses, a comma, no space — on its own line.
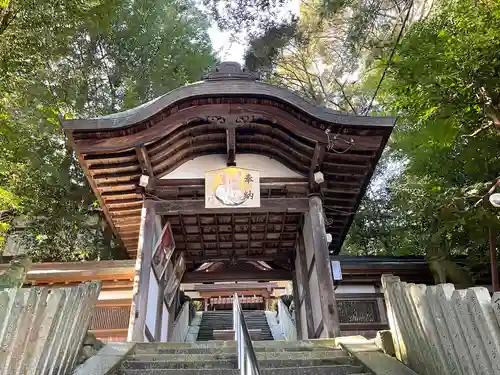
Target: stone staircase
(223,321)
(256,320)
(311,357)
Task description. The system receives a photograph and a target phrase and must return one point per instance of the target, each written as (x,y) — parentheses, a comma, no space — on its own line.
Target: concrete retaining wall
(438,330)
(181,325)
(286,323)
(41,329)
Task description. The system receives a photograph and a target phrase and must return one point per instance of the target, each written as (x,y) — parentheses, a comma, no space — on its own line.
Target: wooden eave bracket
(316,161)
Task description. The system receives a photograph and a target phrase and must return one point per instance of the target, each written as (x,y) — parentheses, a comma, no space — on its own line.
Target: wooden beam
(203,277)
(265,182)
(144,162)
(230,292)
(234,286)
(223,258)
(122,302)
(197,206)
(231,147)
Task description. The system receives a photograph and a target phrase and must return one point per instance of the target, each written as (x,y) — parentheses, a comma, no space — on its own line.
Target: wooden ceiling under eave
(229,113)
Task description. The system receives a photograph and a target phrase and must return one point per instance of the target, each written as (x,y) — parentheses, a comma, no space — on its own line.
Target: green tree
(80,59)
(436,67)
(444,85)
(326,52)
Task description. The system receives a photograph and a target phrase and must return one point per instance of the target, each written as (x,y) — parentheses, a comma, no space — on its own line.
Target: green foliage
(80,59)
(197,305)
(323,54)
(15,275)
(244,15)
(274,305)
(443,83)
(444,86)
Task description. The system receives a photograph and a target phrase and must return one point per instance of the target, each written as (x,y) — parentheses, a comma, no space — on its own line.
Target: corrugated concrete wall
(438,330)
(41,329)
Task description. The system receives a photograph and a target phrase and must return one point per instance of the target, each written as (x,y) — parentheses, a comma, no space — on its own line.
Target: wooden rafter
(250,231)
(233,238)
(282,231)
(200,230)
(231,147)
(217,234)
(257,236)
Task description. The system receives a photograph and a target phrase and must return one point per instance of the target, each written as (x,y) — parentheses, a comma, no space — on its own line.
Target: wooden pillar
(266,304)
(304,281)
(297,305)
(331,327)
(140,290)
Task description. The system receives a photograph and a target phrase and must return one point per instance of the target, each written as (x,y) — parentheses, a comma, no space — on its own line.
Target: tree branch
(489,192)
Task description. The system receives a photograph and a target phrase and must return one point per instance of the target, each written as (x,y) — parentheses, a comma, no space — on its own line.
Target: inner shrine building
(229,180)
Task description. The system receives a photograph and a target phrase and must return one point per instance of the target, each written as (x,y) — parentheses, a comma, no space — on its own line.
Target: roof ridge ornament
(230,70)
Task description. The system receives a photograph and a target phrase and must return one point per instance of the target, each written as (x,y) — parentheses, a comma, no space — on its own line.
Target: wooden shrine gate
(153,166)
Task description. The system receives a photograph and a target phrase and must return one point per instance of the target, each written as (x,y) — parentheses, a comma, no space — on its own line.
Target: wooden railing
(439,330)
(42,329)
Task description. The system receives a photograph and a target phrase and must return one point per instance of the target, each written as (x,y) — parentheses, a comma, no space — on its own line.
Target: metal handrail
(247,360)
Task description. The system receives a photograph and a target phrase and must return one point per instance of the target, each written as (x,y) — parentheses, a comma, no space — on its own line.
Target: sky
(234,51)
(226,50)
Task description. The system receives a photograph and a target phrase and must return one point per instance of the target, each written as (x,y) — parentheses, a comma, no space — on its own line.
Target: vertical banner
(175,280)
(163,251)
(232,187)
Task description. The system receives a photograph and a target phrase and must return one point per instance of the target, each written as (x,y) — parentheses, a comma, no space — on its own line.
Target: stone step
(340,356)
(318,370)
(228,334)
(217,325)
(213,364)
(179,365)
(225,346)
(232,349)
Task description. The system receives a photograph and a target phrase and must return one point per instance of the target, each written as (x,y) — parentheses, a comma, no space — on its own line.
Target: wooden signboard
(174,280)
(163,251)
(232,187)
